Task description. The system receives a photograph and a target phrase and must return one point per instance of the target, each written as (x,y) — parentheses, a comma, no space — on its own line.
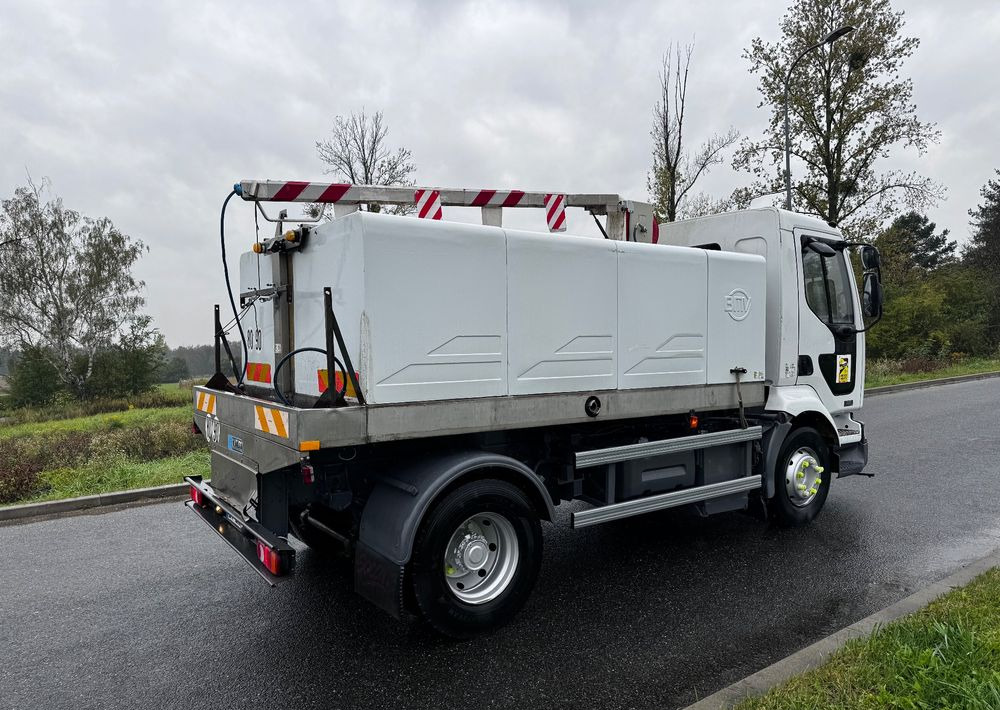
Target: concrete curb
(813,656)
(102,500)
(929,383)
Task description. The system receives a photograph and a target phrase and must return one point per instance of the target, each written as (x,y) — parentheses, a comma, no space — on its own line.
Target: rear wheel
(476,558)
(801,478)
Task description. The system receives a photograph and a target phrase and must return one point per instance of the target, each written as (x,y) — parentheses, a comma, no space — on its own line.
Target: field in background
(83,448)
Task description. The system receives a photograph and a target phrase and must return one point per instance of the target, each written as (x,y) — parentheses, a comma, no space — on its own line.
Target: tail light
(197,496)
(308,473)
(269,558)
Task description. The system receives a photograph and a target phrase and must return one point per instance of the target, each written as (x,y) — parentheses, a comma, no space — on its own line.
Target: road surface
(147,608)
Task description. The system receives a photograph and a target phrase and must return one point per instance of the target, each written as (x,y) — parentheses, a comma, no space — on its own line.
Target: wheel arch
(800,407)
(401,499)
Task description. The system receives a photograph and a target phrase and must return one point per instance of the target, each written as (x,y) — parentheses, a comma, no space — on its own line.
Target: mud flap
(378,579)
(852,459)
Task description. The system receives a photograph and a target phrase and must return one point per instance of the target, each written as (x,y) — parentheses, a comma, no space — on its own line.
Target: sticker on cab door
(843,369)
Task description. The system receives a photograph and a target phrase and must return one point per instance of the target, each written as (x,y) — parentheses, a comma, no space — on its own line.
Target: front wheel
(476,558)
(801,478)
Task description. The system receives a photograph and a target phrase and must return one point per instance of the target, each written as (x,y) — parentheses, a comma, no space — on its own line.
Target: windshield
(828,287)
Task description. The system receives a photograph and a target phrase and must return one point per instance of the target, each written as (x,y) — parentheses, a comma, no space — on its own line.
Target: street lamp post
(829,39)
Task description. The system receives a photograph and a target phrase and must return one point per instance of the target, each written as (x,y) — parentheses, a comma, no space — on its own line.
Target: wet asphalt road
(146,608)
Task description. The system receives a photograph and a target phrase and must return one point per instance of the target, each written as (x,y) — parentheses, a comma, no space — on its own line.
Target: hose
(239,374)
(281,363)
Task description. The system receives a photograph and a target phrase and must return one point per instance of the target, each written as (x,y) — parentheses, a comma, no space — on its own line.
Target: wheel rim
(803,477)
(481,558)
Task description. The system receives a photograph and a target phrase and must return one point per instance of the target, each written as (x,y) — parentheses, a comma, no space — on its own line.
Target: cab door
(831,352)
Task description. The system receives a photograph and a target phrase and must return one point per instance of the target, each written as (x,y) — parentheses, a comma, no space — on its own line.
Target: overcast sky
(148,112)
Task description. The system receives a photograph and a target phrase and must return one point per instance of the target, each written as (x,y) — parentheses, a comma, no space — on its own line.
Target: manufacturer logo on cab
(738,304)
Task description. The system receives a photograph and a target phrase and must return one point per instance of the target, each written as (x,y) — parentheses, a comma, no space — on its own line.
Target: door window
(828,287)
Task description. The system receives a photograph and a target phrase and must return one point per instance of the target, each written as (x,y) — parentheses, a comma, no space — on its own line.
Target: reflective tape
(555,212)
(271,421)
(323,381)
(259,372)
(428,204)
(206,403)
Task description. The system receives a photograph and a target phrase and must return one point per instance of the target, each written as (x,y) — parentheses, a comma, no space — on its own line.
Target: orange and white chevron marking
(271,421)
(206,403)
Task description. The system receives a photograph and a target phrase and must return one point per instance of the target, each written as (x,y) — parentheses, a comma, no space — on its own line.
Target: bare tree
(66,284)
(675,170)
(357,152)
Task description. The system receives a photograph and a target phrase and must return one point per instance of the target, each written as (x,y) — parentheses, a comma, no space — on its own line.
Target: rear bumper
(269,555)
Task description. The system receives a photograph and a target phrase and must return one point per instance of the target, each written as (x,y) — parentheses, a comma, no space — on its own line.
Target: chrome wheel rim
(803,477)
(481,558)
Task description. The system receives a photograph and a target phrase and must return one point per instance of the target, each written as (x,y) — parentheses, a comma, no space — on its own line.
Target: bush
(18,475)
(921,364)
(33,381)
(66,408)
(127,369)
(22,458)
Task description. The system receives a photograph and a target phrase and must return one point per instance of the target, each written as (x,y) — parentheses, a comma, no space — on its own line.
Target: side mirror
(870,259)
(871,298)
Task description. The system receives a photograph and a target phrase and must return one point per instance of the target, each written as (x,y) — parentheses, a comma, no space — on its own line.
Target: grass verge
(62,458)
(944,656)
(119,473)
(161,396)
(881,372)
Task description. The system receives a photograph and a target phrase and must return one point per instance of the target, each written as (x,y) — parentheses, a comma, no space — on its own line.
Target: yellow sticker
(843,369)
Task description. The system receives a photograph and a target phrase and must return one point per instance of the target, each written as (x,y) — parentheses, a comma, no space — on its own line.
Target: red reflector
(197,496)
(269,558)
(308,473)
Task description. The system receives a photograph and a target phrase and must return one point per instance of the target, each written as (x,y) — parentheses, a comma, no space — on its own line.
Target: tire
(798,507)
(492,526)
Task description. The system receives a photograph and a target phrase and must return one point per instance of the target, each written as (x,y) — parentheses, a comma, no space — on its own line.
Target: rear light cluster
(269,558)
(308,473)
(197,496)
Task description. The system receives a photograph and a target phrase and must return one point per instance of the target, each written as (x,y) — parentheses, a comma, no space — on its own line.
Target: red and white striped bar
(428,204)
(292,191)
(555,212)
(496,198)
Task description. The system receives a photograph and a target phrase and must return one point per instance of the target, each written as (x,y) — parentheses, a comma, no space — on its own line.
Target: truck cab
(815,345)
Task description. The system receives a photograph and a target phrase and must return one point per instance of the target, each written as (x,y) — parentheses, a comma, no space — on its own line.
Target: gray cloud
(148,112)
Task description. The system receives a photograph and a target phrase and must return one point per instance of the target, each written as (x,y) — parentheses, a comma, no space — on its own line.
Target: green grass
(100,422)
(46,457)
(945,656)
(880,373)
(119,473)
(161,396)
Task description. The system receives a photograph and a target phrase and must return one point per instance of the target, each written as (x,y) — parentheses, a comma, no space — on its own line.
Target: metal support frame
(333,331)
(630,452)
(219,381)
(616,511)
(347,198)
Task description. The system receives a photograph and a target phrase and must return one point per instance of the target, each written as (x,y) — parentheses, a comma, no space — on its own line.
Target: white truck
(420,394)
